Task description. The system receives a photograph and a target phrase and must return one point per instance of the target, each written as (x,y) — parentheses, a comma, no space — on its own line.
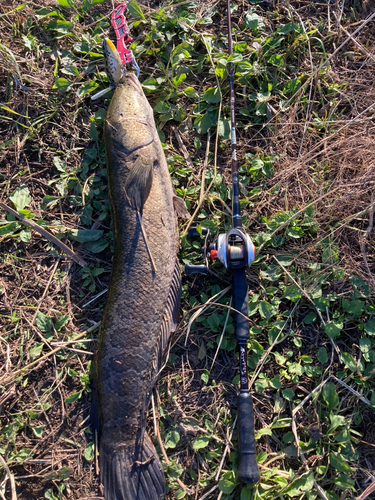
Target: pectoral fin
(180,209)
(138,184)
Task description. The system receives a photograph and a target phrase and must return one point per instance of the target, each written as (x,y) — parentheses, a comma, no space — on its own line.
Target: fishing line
(231,68)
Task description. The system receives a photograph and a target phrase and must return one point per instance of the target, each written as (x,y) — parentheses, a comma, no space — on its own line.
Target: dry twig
(46,234)
(11,478)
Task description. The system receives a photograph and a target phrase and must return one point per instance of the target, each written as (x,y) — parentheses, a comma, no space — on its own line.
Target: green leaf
(203,123)
(235,58)
(25,235)
(370,327)
(61,322)
(197,143)
(214,322)
(205,376)
(35,351)
(21,197)
(349,361)
(73,397)
(99,246)
(62,85)
(177,80)
(48,494)
(189,92)
(330,395)
(44,323)
(322,355)
(212,95)
(332,331)
(64,473)
(336,421)
(285,259)
(23,454)
(263,432)
(89,451)
(288,437)
(245,493)
(280,359)
(8,229)
(281,422)
(339,463)
(344,482)
(172,438)
(228,482)
(354,307)
(313,371)
(135,10)
(310,318)
(321,303)
(200,442)
(295,232)
(288,394)
(38,431)
(85,235)
(261,384)
(284,29)
(365,344)
(86,5)
(151,84)
(272,273)
(162,107)
(225,129)
(66,3)
(46,12)
(49,202)
(253,21)
(301,485)
(180,494)
(267,310)
(275,382)
(293,293)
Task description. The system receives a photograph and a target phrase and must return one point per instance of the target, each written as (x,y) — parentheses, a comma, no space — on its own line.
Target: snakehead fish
(144,293)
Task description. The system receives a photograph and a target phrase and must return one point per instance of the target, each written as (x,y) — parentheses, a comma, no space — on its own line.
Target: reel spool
(234,249)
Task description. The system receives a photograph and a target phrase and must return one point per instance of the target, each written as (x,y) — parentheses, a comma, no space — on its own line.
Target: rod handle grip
(247,471)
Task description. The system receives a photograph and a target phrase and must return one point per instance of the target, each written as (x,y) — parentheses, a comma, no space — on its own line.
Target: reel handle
(190,269)
(194,234)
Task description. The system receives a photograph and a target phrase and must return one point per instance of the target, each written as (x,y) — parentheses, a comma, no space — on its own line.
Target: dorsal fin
(138,183)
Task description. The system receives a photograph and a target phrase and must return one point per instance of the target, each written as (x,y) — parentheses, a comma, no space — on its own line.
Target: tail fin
(131,474)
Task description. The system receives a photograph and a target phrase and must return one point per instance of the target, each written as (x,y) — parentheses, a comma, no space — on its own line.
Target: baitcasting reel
(234,249)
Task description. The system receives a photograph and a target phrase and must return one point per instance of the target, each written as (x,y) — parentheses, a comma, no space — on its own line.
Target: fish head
(113,63)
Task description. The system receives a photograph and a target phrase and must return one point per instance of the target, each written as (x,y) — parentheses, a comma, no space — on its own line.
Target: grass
(305,128)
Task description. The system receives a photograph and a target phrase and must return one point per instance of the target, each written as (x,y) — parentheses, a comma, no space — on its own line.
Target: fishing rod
(235,250)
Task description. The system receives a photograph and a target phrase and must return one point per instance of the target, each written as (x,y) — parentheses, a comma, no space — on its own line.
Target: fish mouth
(134,81)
